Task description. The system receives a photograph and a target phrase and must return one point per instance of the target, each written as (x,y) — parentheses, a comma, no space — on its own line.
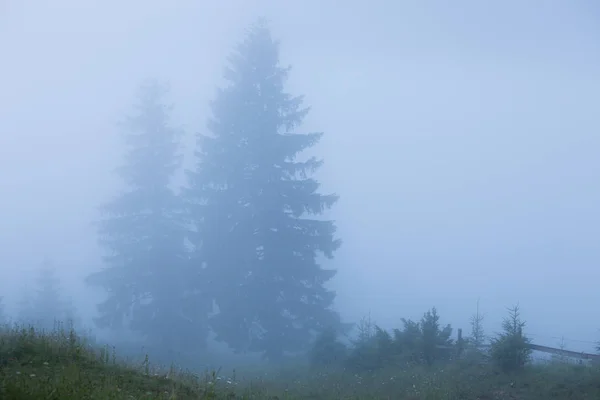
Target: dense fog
(462,140)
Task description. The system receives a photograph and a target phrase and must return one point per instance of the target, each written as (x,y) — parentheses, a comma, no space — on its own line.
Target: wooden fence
(593,358)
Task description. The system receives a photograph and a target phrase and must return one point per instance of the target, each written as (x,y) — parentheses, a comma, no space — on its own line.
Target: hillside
(60,365)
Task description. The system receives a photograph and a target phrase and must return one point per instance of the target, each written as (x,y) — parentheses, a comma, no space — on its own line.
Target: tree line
(425,342)
(236,251)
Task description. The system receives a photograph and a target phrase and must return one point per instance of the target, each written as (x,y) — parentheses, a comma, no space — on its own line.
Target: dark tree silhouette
(146,272)
(256,209)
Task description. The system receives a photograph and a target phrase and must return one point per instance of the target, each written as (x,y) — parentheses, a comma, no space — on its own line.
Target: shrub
(364,355)
(511,349)
(435,341)
(408,341)
(418,342)
(327,350)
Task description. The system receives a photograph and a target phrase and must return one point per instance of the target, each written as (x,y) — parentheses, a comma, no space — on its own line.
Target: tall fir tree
(142,232)
(256,210)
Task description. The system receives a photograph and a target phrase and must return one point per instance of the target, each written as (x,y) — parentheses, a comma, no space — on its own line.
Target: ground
(60,365)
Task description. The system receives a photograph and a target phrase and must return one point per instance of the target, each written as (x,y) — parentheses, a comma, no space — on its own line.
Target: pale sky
(461,136)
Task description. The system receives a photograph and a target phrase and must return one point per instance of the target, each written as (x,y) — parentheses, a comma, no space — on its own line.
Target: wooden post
(459,344)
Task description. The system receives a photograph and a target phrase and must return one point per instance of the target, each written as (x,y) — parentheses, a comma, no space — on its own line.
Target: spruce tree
(511,349)
(434,338)
(477,338)
(45,307)
(142,232)
(256,209)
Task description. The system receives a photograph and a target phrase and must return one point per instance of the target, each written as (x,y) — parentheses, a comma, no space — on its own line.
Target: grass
(60,365)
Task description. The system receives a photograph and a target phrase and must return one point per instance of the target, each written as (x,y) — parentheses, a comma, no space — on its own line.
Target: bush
(436,342)
(365,352)
(418,342)
(511,349)
(408,341)
(327,350)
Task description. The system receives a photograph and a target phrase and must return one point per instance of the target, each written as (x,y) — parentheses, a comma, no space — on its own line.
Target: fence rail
(594,358)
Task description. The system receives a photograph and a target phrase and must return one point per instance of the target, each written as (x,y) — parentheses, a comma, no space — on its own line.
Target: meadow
(63,365)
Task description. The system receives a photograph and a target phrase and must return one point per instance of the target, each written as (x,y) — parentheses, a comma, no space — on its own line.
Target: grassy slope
(60,366)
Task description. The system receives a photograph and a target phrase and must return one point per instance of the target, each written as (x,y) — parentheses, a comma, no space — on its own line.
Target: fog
(462,139)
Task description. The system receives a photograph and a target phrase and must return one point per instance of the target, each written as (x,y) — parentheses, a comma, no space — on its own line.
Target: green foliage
(418,342)
(61,365)
(473,352)
(477,338)
(255,209)
(363,355)
(366,330)
(408,341)
(327,350)
(510,349)
(434,338)
(374,349)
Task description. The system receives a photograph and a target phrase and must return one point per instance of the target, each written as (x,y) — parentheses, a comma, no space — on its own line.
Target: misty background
(462,138)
